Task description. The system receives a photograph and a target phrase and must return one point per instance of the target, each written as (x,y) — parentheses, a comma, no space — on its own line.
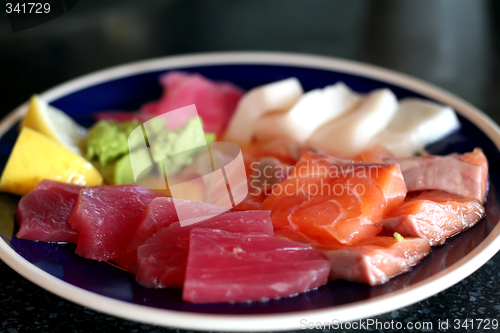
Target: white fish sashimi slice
(314,109)
(274,97)
(279,124)
(417,123)
(353,132)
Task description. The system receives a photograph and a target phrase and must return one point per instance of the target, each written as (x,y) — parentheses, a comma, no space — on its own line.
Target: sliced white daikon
(274,97)
(417,123)
(354,131)
(314,109)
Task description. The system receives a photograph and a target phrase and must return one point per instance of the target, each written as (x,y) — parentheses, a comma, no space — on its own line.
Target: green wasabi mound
(108,140)
(108,147)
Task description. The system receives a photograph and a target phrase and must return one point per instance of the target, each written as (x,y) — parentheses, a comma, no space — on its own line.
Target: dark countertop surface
(454,45)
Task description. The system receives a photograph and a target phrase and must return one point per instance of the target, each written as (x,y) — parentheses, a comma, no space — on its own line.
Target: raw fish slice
(374,261)
(284,208)
(286,150)
(160,214)
(375,154)
(53,185)
(417,123)
(227,267)
(477,157)
(263,175)
(43,213)
(391,182)
(435,216)
(312,110)
(161,260)
(106,219)
(273,97)
(355,131)
(271,163)
(215,101)
(452,252)
(253,201)
(311,171)
(335,198)
(326,217)
(373,183)
(465,175)
(268,171)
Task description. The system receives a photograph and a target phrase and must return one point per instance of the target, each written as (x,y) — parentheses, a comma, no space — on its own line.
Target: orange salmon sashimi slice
(266,165)
(377,260)
(435,216)
(314,217)
(375,154)
(332,198)
(262,175)
(373,261)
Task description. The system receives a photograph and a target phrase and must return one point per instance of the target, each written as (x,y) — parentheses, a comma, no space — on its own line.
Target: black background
(453,44)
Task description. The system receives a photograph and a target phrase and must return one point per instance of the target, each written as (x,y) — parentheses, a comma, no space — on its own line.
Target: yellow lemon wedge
(36,157)
(55,124)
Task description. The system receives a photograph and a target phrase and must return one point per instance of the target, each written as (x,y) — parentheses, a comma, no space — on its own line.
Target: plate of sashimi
(364,191)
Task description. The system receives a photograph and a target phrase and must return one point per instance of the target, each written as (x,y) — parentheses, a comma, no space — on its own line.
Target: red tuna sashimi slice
(215,101)
(336,198)
(43,213)
(159,214)
(47,184)
(227,267)
(161,260)
(434,215)
(375,261)
(107,217)
(465,175)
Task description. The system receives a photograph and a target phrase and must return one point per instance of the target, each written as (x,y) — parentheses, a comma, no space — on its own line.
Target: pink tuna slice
(227,267)
(106,219)
(43,213)
(435,216)
(160,214)
(377,260)
(161,260)
(465,175)
(215,101)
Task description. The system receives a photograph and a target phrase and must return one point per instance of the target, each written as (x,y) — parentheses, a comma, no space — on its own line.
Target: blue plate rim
(353,311)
